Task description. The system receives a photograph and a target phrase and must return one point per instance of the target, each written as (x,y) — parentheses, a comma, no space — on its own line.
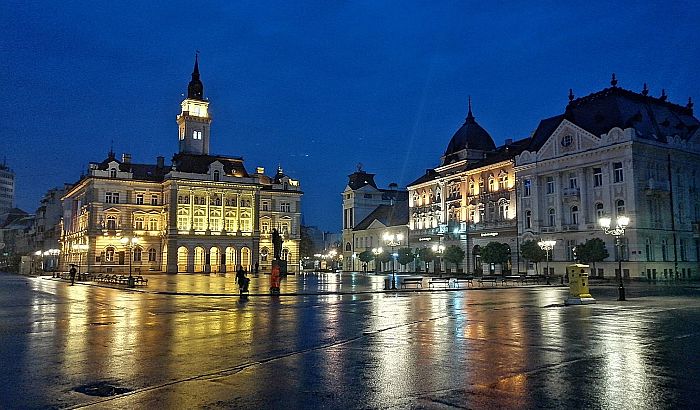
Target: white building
(616,152)
(7,189)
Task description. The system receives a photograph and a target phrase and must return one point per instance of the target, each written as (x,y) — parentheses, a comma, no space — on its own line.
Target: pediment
(567,138)
(376,224)
(112,210)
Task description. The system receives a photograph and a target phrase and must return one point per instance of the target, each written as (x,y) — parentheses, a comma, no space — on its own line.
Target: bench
(439,281)
(411,281)
(469,280)
(510,278)
(531,278)
(491,279)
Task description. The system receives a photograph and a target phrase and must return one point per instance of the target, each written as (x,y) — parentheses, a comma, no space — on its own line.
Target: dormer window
(112,173)
(216,175)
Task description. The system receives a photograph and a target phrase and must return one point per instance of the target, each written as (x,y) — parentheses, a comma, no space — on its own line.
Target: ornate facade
(202,213)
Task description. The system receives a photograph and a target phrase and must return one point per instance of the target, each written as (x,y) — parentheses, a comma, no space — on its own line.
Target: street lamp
(376,252)
(393,240)
(547,246)
(80,247)
(439,249)
(617,232)
(130,242)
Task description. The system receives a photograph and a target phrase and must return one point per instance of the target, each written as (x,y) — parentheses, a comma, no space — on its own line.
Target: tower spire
(195,89)
(470,116)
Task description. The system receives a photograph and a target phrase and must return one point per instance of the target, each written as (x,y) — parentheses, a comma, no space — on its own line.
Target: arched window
(574,215)
(552,216)
(109,254)
(153,224)
(599,212)
(285,254)
(492,184)
(151,255)
(528,219)
(620,205)
(348,247)
(137,254)
(111,222)
(138,222)
(503,210)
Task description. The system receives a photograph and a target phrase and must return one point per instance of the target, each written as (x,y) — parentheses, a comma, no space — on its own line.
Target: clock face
(567,140)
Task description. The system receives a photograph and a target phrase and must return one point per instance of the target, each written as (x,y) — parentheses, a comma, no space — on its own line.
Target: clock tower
(194,121)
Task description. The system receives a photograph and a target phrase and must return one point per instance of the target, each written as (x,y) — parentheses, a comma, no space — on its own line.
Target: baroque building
(202,213)
(469,200)
(612,153)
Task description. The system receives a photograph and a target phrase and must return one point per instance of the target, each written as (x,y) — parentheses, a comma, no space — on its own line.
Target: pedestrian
(242,280)
(72,273)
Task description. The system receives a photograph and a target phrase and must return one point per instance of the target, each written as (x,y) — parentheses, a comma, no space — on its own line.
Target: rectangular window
(197,135)
(368,196)
(153,224)
(139,199)
(285,207)
(138,225)
(183,223)
(550,185)
(618,175)
(265,206)
(684,250)
(597,176)
(108,197)
(573,181)
(154,199)
(527,187)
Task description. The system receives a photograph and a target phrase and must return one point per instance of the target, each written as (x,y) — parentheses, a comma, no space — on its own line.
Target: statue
(276,244)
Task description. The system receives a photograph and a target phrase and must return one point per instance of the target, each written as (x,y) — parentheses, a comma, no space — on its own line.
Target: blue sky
(316,87)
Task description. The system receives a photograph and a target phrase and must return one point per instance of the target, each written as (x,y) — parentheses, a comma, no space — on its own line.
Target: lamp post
(129,242)
(376,252)
(617,232)
(80,247)
(439,249)
(547,246)
(393,240)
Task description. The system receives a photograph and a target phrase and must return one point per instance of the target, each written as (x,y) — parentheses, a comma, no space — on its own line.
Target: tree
(306,243)
(454,254)
(592,251)
(366,257)
(405,256)
(383,257)
(426,255)
(495,252)
(532,252)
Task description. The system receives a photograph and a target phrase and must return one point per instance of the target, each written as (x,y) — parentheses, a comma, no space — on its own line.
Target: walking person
(72,273)
(242,280)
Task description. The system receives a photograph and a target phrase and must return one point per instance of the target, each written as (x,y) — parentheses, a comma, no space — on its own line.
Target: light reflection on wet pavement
(498,348)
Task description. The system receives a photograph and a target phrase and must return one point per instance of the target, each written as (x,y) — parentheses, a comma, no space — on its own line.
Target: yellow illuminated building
(202,213)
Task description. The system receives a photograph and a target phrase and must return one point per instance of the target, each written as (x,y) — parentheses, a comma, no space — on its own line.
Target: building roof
(199,164)
(358,179)
(389,215)
(469,136)
(653,118)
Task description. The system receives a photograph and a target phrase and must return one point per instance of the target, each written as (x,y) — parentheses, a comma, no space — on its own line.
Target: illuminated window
(472,188)
(265,226)
(492,184)
(503,181)
(183,222)
(196,135)
(153,224)
(109,254)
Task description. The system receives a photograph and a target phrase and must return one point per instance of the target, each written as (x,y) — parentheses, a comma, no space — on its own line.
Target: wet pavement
(81,346)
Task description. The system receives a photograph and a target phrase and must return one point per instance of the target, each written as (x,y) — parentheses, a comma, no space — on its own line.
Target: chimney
(126,158)
(160,162)
(393,186)
(260,170)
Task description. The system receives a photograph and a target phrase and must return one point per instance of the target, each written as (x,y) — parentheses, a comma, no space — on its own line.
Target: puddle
(102,323)
(101,389)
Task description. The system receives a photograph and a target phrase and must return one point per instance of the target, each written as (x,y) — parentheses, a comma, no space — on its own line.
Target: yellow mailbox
(578,285)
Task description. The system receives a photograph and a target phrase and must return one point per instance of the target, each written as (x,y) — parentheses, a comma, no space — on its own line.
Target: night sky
(317,88)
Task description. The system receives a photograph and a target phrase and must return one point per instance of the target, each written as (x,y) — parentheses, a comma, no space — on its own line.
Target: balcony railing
(571,192)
